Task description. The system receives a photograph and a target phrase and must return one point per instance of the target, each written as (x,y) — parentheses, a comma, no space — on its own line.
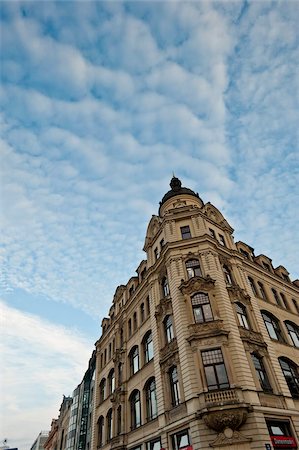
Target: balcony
(225,411)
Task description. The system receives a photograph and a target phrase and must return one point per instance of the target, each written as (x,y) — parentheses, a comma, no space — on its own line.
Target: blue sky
(101,102)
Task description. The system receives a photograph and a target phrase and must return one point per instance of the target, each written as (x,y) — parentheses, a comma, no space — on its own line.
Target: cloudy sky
(101,103)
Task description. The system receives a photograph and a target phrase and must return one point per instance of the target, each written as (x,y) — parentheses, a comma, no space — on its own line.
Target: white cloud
(40,362)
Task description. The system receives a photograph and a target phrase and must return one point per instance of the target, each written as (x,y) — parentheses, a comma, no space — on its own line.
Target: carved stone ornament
(253,338)
(206,330)
(163,308)
(118,396)
(196,284)
(168,351)
(118,355)
(237,293)
(229,418)
(171,360)
(230,437)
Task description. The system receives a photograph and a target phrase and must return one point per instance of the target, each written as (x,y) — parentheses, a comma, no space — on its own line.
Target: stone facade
(201,348)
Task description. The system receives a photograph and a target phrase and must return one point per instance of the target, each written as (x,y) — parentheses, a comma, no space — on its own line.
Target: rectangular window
(156,253)
(186,233)
(221,240)
(154,445)
(180,440)
(212,233)
(215,370)
(261,373)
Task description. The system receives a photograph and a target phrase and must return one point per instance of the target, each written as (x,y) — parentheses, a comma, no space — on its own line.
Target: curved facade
(201,348)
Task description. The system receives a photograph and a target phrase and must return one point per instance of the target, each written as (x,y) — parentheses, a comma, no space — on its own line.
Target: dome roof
(176,189)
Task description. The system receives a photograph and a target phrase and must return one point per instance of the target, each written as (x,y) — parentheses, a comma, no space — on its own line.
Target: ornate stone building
(201,348)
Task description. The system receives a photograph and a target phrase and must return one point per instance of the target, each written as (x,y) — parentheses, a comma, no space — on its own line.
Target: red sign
(283,442)
(189,447)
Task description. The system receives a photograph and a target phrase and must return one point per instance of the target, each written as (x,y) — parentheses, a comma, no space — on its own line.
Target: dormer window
(244,253)
(266,266)
(186,233)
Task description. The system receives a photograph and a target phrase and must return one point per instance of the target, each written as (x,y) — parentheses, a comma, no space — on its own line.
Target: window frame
(173,376)
(109,427)
(215,365)
(293,379)
(293,332)
(148,347)
(135,407)
(242,316)
(100,431)
(201,310)
(193,268)
(111,381)
(186,232)
(151,399)
(261,372)
(168,328)
(273,325)
(174,440)
(134,356)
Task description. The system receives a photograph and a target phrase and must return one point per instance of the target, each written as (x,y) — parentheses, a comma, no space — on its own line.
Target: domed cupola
(175,191)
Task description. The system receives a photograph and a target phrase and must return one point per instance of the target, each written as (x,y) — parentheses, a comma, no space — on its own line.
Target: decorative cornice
(196,284)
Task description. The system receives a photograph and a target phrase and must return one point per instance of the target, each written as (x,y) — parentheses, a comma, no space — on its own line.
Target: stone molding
(214,328)
(196,284)
(235,292)
(169,350)
(163,308)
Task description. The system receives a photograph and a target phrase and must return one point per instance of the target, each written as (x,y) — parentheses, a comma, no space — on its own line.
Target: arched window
(151,399)
(165,287)
(293,331)
(109,425)
(111,381)
(242,315)
(262,290)
(148,348)
(272,326)
(228,275)
(118,430)
(174,386)
(135,409)
(100,431)
(276,297)
(193,268)
(102,390)
(291,374)
(261,372)
(252,285)
(134,360)
(168,328)
(202,311)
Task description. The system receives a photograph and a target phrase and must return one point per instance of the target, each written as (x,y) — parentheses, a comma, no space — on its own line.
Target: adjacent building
(38,444)
(201,348)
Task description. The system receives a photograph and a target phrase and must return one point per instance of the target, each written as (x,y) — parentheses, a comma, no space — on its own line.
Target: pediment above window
(237,293)
(252,338)
(196,284)
(214,328)
(163,308)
